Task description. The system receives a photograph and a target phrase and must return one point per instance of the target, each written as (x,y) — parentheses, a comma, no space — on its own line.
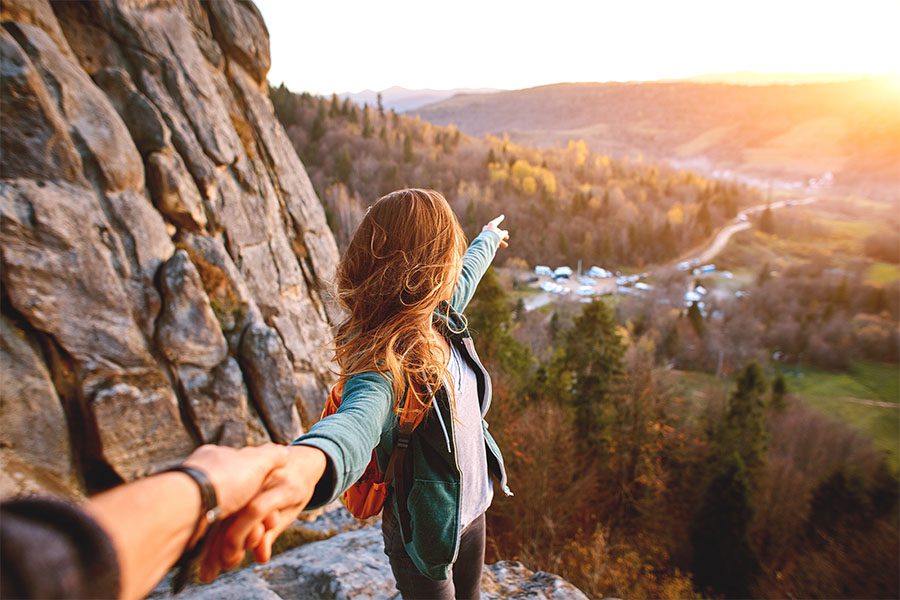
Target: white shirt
(477,491)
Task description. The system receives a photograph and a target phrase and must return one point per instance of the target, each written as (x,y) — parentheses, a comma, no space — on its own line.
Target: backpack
(366,497)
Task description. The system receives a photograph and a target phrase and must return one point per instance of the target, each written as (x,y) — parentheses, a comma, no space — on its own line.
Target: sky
(351,45)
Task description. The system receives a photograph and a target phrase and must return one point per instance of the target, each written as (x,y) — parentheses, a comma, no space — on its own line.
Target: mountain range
(789,132)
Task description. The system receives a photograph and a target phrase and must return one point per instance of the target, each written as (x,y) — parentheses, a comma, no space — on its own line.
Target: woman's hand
(237,475)
(493,225)
(286,492)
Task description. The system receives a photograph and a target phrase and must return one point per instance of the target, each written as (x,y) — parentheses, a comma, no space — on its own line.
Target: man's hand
(237,475)
(285,492)
(493,225)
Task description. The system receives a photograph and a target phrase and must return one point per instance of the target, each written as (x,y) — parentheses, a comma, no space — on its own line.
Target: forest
(655,451)
(566,204)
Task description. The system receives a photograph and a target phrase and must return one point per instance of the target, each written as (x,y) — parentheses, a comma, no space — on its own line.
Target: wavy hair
(403,261)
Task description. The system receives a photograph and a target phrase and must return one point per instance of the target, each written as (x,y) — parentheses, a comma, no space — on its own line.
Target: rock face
(165,261)
(353,566)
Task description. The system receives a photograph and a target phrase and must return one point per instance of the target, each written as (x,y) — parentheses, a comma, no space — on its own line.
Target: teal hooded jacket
(365,421)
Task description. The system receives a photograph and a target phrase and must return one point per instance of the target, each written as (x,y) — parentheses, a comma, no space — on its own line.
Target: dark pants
(465,574)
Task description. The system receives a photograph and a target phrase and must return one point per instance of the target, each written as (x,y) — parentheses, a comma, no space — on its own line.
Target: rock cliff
(166,264)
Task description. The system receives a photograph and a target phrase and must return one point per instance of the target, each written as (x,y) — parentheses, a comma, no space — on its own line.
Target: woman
(405,280)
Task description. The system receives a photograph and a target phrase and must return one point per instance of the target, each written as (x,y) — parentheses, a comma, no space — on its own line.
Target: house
(562,272)
(708,268)
(543,270)
(700,290)
(599,272)
(691,297)
(643,286)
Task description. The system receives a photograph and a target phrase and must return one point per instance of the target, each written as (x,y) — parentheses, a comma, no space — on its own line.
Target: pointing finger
(497,220)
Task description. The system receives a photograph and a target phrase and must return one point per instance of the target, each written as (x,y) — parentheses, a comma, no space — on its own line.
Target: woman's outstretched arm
(476,261)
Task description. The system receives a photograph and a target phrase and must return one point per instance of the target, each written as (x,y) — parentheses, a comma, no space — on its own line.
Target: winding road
(739,223)
(702,255)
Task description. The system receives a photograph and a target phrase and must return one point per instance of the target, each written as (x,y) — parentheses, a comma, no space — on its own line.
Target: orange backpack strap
(411,414)
(399,469)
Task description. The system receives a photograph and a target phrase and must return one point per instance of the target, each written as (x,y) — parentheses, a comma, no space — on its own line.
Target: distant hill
(783,131)
(402,99)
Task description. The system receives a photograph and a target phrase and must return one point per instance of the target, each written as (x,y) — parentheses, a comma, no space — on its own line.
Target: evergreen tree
(745,427)
(489,317)
(318,125)
(335,108)
(696,318)
(779,391)
(593,354)
(380,105)
(723,559)
(367,123)
(408,155)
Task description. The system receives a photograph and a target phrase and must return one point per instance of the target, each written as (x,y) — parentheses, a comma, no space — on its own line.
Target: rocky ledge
(352,565)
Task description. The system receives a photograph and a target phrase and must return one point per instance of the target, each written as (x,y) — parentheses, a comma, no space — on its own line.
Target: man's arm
(151,521)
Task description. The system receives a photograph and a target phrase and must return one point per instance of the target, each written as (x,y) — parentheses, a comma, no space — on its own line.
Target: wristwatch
(209,517)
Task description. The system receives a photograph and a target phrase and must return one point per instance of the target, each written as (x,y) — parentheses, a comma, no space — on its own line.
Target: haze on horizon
(326,47)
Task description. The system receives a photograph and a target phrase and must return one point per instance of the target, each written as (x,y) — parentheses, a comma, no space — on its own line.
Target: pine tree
(408,155)
(318,125)
(779,391)
(696,318)
(723,559)
(745,427)
(592,352)
(380,105)
(335,108)
(490,321)
(367,123)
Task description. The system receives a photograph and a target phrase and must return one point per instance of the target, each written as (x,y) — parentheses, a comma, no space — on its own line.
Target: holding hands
(268,508)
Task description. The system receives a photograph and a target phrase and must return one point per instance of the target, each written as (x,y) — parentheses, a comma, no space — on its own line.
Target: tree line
(566,203)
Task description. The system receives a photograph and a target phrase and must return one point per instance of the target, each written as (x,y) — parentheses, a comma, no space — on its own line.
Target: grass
(881,273)
(842,396)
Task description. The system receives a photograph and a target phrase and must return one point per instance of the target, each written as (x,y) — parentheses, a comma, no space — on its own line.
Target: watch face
(213,514)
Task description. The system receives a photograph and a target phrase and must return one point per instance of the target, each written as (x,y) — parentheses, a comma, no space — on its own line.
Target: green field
(866,397)
(851,397)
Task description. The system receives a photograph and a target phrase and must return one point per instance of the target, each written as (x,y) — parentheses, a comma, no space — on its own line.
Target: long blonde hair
(402,262)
